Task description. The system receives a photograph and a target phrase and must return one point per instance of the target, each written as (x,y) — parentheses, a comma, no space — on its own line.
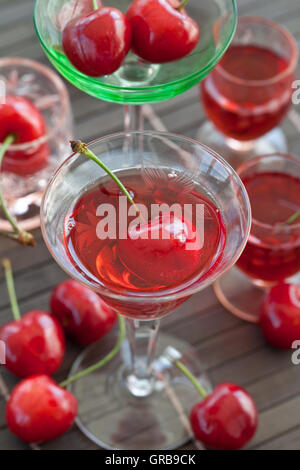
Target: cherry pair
(38,408)
(96,42)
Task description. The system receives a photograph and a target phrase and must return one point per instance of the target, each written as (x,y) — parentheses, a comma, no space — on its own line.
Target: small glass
(250,91)
(23,183)
(272,253)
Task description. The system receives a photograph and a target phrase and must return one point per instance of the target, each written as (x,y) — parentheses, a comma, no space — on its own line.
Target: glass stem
(142,337)
(133,118)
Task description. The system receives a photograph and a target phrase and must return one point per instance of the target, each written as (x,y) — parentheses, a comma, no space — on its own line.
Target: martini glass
(138,82)
(126,404)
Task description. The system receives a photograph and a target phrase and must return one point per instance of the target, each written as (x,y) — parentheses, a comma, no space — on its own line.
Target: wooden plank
(276,421)
(287,441)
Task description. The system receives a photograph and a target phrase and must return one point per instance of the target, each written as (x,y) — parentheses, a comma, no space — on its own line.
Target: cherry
(82,312)
(280,315)
(163,257)
(226,419)
(74,9)
(160,32)
(97,43)
(35,343)
(39,410)
(20,117)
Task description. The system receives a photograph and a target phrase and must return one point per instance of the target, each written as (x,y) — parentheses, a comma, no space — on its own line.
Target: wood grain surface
(231,350)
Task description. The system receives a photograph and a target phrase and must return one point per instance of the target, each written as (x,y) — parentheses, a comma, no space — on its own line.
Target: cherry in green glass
(138,81)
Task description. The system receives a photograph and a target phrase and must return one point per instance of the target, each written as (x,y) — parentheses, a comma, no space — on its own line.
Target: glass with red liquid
(250,91)
(126,405)
(272,253)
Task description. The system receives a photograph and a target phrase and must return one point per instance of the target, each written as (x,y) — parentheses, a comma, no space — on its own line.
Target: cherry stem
(192,378)
(103,361)
(182,5)
(24,238)
(95,4)
(11,288)
(81,147)
(293,218)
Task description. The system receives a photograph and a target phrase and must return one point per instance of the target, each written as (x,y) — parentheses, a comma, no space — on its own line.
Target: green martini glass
(138,82)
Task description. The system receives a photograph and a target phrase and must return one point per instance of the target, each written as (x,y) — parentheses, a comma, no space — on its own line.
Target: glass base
(239,295)
(26,210)
(237,152)
(113,418)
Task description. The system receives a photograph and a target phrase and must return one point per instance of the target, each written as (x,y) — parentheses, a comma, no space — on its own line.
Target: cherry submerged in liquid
(137,269)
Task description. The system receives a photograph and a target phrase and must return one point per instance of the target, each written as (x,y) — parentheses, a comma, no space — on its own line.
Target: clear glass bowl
(40,85)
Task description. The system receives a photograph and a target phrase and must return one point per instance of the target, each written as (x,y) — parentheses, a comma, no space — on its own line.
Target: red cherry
(38,410)
(21,118)
(97,43)
(280,315)
(82,312)
(35,344)
(163,257)
(160,33)
(226,419)
(74,9)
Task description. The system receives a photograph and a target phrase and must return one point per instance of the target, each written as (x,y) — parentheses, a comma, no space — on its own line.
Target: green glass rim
(192,77)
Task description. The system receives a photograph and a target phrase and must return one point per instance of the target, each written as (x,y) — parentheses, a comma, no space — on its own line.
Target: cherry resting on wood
(280,315)
(39,410)
(85,316)
(226,419)
(35,343)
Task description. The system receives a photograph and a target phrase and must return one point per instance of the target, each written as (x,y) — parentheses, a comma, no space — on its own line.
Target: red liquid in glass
(100,258)
(273,251)
(247,110)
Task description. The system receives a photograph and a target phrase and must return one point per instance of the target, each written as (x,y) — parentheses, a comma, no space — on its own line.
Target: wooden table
(231,349)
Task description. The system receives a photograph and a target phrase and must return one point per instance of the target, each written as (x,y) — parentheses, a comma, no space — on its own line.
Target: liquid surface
(101,258)
(246,111)
(272,253)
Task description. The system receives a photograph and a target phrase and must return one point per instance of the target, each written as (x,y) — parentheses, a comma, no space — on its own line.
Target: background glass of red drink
(250,91)
(272,253)
(25,175)
(131,383)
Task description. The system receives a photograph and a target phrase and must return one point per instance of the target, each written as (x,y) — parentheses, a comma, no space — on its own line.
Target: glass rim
(292,63)
(209,66)
(251,163)
(164,294)
(63,95)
